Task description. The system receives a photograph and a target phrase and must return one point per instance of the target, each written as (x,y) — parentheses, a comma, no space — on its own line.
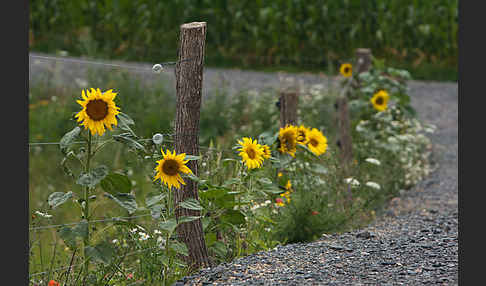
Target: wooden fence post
(363,63)
(189,78)
(363,60)
(288,102)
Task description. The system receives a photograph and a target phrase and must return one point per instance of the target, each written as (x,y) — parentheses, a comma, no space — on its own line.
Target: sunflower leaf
(126,201)
(58,198)
(68,139)
(116,183)
(124,121)
(154,197)
(103,252)
(184,219)
(92,178)
(191,204)
(179,248)
(129,141)
(168,225)
(192,157)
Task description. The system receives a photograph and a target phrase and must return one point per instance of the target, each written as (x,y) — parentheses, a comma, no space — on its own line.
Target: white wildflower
(46,215)
(373,185)
(373,161)
(351,181)
(143,235)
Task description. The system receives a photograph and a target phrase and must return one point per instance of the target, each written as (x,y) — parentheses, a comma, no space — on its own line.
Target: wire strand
(156,68)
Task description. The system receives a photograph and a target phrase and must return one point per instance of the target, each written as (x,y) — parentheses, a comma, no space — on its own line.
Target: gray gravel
(415,242)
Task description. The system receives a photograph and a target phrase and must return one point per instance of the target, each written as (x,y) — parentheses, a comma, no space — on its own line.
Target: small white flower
(157,231)
(351,181)
(158,138)
(267,202)
(373,185)
(143,235)
(46,215)
(114,241)
(373,161)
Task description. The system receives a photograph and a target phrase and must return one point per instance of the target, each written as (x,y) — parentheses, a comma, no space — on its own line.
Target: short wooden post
(344,126)
(363,60)
(189,79)
(288,102)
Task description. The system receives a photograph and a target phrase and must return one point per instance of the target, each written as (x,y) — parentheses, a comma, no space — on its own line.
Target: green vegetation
(420,36)
(240,208)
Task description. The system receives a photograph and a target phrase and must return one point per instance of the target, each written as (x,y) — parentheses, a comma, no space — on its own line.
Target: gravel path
(414,243)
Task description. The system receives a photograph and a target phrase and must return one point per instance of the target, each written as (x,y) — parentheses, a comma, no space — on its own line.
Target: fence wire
(156,68)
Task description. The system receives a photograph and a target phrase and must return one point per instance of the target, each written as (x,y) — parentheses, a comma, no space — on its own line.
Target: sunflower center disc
(313,142)
(97,109)
(170,167)
(379,100)
(251,153)
(346,70)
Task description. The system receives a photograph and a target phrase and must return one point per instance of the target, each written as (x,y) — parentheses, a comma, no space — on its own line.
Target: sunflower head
(346,69)
(251,152)
(380,100)
(99,110)
(302,135)
(288,186)
(170,167)
(317,142)
(287,138)
(266,152)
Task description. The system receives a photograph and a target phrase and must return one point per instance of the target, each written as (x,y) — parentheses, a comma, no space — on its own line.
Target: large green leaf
(179,248)
(267,138)
(68,139)
(184,219)
(168,225)
(102,252)
(58,198)
(154,197)
(191,204)
(124,121)
(125,200)
(92,178)
(70,235)
(116,183)
(234,217)
(129,141)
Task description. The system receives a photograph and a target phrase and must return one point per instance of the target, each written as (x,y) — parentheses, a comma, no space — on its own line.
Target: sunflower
(169,169)
(251,152)
(288,140)
(346,70)
(288,186)
(266,152)
(317,142)
(302,135)
(98,111)
(380,100)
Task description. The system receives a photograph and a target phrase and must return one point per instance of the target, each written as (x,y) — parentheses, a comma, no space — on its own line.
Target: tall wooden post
(189,79)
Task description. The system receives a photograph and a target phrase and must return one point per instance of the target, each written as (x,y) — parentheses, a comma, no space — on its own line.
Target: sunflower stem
(86,206)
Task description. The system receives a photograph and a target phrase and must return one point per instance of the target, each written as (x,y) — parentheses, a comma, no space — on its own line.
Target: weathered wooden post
(289,101)
(363,60)
(363,64)
(189,79)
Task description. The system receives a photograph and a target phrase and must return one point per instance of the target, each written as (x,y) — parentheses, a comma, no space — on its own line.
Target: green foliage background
(418,35)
